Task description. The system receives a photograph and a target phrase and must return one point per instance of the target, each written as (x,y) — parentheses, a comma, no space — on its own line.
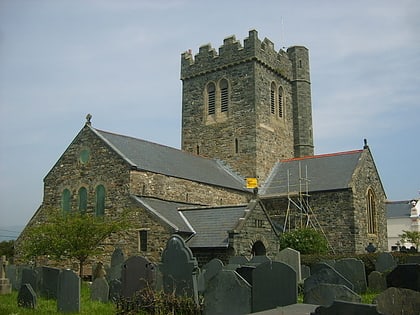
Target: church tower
(248,106)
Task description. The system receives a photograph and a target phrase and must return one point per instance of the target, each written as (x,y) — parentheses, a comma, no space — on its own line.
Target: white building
(402,216)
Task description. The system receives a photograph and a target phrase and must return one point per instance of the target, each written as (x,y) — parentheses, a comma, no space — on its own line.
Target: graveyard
(283,284)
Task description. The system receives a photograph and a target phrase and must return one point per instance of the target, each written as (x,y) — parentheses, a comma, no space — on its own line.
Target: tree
(305,240)
(412,237)
(7,248)
(71,235)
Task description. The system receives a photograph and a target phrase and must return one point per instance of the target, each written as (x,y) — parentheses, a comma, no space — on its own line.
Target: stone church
(246,113)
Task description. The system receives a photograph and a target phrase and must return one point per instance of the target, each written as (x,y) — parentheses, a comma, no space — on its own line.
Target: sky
(120,62)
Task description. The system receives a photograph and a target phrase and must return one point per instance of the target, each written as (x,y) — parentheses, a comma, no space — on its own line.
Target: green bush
(305,240)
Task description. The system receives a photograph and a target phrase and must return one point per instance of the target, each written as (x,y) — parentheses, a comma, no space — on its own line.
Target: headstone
(405,276)
(256,260)
(354,271)
(138,273)
(395,301)
(246,273)
(347,308)
(413,259)
(117,257)
(179,269)
(114,272)
(291,257)
(273,284)
(49,283)
(208,271)
(30,276)
(305,271)
(325,294)
(238,260)
(115,290)
(325,275)
(5,286)
(11,274)
(99,290)
(294,309)
(385,262)
(227,293)
(98,271)
(26,296)
(68,295)
(377,281)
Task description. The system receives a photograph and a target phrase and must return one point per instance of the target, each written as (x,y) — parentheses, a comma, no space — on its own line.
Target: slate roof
(208,225)
(149,156)
(398,209)
(320,172)
(212,224)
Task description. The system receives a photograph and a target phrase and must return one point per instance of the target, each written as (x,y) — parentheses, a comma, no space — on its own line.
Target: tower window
(82,199)
(65,200)
(100,200)
(236,145)
(224,96)
(211,99)
(273,98)
(371,212)
(280,102)
(143,240)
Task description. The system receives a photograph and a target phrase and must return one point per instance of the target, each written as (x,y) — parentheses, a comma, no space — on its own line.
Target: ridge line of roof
(322,155)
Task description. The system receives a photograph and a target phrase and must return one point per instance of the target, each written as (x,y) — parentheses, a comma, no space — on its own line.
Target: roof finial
(365,146)
(88,118)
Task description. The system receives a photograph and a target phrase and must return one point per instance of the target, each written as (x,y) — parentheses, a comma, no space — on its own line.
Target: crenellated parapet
(232,53)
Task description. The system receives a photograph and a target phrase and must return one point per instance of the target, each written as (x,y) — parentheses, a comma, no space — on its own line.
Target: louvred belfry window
(211,99)
(224,95)
(273,98)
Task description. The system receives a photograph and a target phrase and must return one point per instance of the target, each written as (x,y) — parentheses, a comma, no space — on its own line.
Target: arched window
(371,212)
(82,199)
(273,98)
(258,249)
(100,200)
(224,95)
(66,200)
(211,98)
(280,102)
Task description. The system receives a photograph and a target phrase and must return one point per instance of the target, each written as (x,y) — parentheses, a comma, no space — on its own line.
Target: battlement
(232,53)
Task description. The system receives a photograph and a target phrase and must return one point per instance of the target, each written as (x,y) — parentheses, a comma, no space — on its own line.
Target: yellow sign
(251,182)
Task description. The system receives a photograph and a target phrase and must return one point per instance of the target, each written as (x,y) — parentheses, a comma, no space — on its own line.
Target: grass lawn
(8,305)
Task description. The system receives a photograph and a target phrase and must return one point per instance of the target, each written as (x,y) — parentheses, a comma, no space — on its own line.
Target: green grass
(8,305)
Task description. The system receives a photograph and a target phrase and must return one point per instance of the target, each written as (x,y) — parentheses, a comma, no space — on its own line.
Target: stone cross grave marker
(26,296)
(138,273)
(49,283)
(291,257)
(179,269)
(68,295)
(99,290)
(354,271)
(5,286)
(227,293)
(273,284)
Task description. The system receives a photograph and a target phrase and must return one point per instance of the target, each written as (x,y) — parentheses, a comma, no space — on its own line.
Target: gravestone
(26,296)
(396,301)
(137,273)
(291,257)
(68,293)
(413,259)
(273,284)
(99,290)
(238,260)
(208,271)
(305,271)
(377,281)
(30,276)
(325,294)
(347,308)
(405,276)
(256,260)
(5,286)
(49,282)
(115,290)
(246,273)
(227,293)
(179,269)
(11,274)
(117,261)
(326,274)
(385,262)
(98,271)
(354,271)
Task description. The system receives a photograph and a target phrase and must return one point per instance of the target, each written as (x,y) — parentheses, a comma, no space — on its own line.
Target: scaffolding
(299,213)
